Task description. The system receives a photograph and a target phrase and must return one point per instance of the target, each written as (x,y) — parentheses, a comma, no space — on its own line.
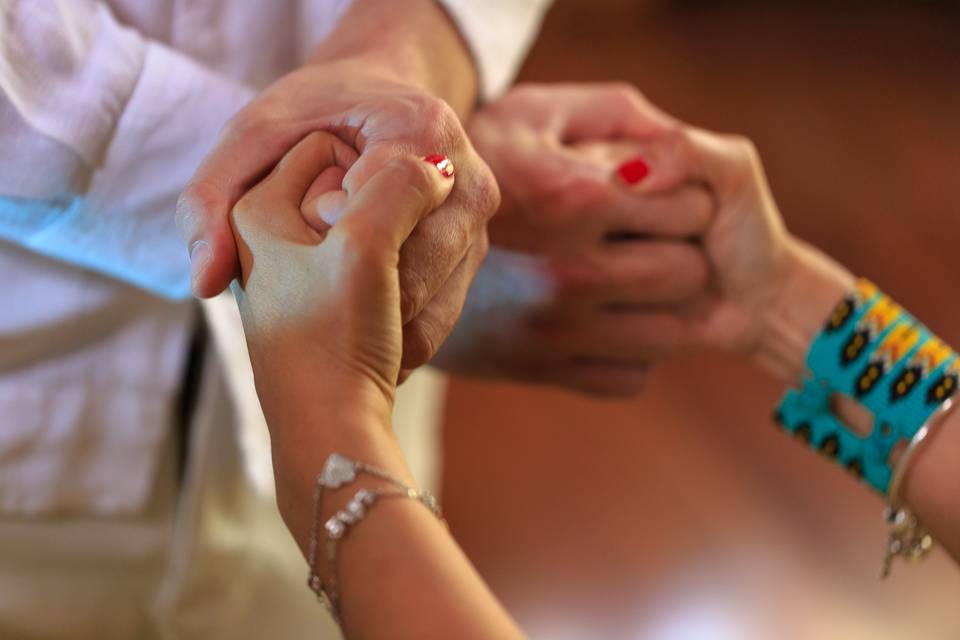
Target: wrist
(305,391)
(413,41)
(809,287)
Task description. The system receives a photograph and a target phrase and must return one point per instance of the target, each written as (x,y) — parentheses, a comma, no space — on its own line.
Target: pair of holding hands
(590,278)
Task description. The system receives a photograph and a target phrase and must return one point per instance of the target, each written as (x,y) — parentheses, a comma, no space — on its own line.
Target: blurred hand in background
(595,261)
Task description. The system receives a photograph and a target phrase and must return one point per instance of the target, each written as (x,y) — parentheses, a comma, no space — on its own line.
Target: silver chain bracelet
(908,537)
(340,471)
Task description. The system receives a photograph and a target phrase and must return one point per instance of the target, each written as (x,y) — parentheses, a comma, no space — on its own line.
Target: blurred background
(686,514)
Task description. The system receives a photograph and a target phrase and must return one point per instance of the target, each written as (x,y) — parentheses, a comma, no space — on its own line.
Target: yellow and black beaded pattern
(872,350)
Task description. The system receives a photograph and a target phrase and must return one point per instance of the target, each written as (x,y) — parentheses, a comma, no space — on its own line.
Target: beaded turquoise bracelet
(878,354)
(874,352)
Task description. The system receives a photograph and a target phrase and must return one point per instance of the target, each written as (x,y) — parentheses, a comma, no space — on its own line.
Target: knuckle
(680,144)
(435,109)
(362,245)
(743,148)
(626,94)
(436,123)
(415,175)
(486,193)
(420,342)
(414,293)
(198,199)
(677,139)
(252,127)
(245,209)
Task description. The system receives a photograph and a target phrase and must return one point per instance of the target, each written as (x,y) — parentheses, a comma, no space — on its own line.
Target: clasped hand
(322,302)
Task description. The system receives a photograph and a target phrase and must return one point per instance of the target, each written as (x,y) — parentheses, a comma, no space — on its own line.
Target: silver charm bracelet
(340,471)
(908,537)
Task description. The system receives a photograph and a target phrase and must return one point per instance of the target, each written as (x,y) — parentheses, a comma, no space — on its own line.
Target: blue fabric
(125,248)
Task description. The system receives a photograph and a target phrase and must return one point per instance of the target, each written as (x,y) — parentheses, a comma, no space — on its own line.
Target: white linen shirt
(106,109)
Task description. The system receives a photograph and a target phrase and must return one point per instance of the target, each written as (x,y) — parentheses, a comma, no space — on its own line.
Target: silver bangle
(908,537)
(340,471)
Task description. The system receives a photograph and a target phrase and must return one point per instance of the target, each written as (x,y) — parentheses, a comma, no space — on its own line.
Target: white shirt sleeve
(101,129)
(499,33)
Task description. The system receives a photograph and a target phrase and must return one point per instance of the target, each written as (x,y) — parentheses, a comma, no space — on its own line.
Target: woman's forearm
(812,286)
(400,573)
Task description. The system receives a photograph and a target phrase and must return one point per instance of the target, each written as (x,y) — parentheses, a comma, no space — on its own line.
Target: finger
(590,111)
(323,210)
(423,336)
(325,200)
(614,111)
(299,169)
(271,210)
(730,164)
(653,164)
(443,240)
(203,218)
(242,156)
(581,190)
(396,200)
(682,213)
(638,274)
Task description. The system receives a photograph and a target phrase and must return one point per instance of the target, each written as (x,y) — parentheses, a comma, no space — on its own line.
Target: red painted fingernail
(633,171)
(442,163)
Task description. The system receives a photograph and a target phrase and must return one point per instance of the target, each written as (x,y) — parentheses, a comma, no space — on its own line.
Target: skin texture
(322,316)
(394,79)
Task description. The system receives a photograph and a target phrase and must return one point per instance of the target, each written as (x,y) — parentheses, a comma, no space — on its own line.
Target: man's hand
(384,84)
(595,266)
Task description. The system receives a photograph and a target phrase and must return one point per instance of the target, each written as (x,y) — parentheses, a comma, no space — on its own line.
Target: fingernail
(442,163)
(200,256)
(633,171)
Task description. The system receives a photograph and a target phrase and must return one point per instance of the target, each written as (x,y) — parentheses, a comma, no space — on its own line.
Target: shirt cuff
(499,34)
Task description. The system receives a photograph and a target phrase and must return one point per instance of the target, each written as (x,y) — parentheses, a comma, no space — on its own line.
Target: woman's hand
(772,292)
(321,309)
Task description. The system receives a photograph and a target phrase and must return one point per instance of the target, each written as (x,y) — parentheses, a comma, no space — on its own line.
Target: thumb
(395,199)
(241,156)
